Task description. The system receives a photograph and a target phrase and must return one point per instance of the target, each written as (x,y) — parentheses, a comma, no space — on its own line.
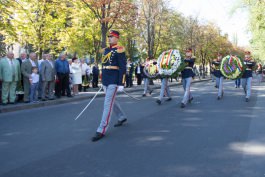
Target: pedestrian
(40,91)
(85,80)
(146,81)
(48,78)
(201,72)
(219,76)
(187,74)
(113,79)
(212,72)
(20,86)
(247,75)
(34,82)
(95,73)
(9,76)
(77,75)
(139,73)
(259,73)
(26,69)
(70,85)
(62,72)
(129,73)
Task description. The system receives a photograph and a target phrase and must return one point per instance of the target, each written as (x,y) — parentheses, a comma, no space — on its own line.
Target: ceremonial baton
(131,96)
(88,103)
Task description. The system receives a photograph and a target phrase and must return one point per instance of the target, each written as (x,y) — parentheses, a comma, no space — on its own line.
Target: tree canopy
(148,27)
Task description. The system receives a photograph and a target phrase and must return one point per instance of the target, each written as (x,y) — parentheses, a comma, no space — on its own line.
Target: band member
(237,83)
(187,75)
(146,82)
(164,91)
(247,75)
(113,78)
(219,76)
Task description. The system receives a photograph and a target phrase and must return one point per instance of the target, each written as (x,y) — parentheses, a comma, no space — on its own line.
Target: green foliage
(79,27)
(256,9)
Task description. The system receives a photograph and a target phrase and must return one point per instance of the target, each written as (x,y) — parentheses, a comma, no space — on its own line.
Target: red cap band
(113,33)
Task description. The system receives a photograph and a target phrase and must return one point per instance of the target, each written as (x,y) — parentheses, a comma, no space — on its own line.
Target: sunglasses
(110,36)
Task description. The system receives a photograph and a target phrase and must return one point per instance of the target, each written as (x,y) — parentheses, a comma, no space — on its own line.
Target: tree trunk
(104,31)
(40,51)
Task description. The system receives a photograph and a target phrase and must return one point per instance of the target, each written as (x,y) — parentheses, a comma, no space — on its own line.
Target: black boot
(97,136)
(158,102)
(120,122)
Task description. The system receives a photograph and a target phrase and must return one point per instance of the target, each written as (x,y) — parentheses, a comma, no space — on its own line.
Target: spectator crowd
(29,80)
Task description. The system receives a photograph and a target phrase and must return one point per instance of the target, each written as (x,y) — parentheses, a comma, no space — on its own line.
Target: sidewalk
(82,96)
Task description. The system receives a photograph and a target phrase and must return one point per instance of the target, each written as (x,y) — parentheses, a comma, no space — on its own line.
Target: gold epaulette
(120,49)
(102,50)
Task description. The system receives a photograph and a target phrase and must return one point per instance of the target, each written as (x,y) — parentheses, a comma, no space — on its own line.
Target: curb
(18,107)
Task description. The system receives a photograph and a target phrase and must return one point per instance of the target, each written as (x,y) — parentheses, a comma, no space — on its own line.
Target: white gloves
(120,88)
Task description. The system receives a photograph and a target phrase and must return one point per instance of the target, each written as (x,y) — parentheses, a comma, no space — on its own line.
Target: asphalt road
(209,138)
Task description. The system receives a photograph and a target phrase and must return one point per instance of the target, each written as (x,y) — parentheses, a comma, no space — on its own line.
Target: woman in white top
(85,76)
(76,75)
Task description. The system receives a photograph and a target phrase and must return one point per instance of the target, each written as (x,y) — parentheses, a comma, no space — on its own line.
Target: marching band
(168,65)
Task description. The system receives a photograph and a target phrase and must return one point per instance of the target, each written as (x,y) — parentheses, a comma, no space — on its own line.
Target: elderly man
(23,57)
(9,75)
(40,83)
(48,77)
(26,69)
(62,71)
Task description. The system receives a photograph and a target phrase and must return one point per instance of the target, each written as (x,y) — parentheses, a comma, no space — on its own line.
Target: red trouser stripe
(111,104)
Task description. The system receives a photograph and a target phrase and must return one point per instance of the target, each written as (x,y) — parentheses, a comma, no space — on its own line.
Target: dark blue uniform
(187,75)
(113,57)
(217,72)
(219,78)
(188,72)
(249,67)
(247,78)
(113,75)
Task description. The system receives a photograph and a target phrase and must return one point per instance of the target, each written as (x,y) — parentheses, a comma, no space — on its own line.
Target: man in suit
(129,73)
(48,77)
(40,81)
(95,72)
(26,69)
(9,75)
(139,73)
(23,57)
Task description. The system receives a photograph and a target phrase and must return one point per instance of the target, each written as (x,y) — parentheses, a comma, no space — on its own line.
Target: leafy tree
(108,12)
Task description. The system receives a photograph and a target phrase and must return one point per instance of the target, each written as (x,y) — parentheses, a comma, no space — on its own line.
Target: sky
(219,12)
